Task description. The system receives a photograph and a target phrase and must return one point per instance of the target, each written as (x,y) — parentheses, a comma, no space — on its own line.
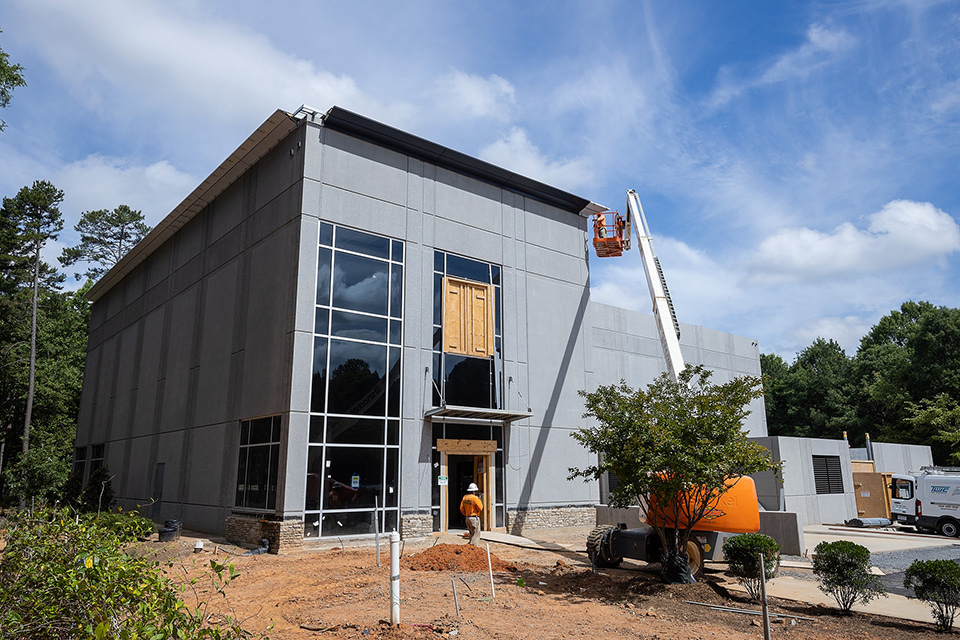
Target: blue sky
(797,161)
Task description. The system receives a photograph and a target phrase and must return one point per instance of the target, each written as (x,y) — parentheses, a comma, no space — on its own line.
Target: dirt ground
(341,593)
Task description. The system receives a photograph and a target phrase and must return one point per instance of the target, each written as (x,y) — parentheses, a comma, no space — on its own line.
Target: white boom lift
(612,238)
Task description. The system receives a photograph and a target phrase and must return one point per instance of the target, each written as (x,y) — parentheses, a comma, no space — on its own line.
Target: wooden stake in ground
(490,569)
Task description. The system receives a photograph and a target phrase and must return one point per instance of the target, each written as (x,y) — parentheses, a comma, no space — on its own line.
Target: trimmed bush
(68,577)
(843,569)
(936,582)
(742,554)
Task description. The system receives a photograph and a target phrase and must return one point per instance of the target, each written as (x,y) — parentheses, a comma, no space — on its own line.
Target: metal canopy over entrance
(462,414)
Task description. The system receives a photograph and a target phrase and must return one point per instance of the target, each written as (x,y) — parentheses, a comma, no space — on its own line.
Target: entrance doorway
(463,462)
(462,470)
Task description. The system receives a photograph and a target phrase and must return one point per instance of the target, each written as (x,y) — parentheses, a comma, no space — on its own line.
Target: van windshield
(902,489)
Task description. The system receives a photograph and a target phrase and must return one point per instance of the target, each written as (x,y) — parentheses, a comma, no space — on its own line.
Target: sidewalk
(893,606)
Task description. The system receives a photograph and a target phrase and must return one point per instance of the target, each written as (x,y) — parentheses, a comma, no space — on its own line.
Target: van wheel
(948,528)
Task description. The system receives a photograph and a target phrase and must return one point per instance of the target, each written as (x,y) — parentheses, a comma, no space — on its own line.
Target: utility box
(872,491)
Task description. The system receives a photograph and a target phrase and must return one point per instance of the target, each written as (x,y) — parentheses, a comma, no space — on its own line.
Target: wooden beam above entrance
(466,446)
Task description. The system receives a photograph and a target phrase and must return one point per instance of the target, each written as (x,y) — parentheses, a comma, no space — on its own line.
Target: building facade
(343,326)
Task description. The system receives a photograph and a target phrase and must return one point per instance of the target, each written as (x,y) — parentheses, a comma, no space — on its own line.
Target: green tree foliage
(742,554)
(812,397)
(843,570)
(55,345)
(936,582)
(67,577)
(11,77)
(674,445)
(105,237)
(35,213)
(97,496)
(891,388)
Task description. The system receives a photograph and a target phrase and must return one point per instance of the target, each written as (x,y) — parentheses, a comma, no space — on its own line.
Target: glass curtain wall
(353,457)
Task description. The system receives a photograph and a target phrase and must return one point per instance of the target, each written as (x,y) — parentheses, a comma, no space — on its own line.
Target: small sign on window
(354,481)
(442,481)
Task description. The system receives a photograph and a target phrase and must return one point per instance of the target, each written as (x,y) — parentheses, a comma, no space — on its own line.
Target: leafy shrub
(128,526)
(742,555)
(98,494)
(843,569)
(67,577)
(936,582)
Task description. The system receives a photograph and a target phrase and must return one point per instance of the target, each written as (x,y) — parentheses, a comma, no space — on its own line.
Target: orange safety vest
(471,505)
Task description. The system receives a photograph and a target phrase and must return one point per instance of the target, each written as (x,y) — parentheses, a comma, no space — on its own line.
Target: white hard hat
(473,487)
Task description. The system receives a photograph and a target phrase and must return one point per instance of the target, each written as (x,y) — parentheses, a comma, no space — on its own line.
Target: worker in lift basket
(471,506)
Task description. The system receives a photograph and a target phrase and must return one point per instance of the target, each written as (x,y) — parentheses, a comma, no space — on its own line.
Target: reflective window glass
(467,268)
(437,299)
(360,284)
(242,476)
(319,380)
(397,251)
(358,327)
(354,431)
(468,381)
(396,289)
(363,243)
(393,402)
(396,335)
(321,323)
(357,377)
(314,478)
(391,491)
(326,234)
(316,429)
(494,274)
(347,524)
(438,261)
(260,430)
(393,432)
(496,312)
(354,476)
(323,277)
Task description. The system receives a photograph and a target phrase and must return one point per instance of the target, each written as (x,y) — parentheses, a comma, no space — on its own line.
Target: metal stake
(763,595)
(490,569)
(456,601)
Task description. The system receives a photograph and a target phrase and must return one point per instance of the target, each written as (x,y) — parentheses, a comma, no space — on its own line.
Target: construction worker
(471,506)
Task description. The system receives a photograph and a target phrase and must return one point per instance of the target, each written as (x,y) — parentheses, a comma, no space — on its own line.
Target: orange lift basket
(608,234)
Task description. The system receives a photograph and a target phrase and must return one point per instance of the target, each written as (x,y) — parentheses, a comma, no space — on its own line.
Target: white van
(929,500)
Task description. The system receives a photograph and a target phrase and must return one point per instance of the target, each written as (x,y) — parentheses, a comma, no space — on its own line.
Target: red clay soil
(455,557)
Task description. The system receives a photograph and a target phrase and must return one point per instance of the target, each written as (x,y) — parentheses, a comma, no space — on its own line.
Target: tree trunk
(33,362)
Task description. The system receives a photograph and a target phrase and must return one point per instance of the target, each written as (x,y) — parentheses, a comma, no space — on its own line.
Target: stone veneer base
(284,535)
(520,520)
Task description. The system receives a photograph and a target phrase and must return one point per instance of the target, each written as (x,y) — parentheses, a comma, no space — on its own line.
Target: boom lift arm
(663,309)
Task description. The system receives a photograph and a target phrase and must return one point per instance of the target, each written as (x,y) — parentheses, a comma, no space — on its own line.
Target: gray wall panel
(362,212)
(207,464)
(179,354)
(468,201)
(149,374)
(216,338)
(279,170)
(362,167)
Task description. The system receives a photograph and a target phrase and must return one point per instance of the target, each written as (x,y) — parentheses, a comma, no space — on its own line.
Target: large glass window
(468,340)
(353,458)
(259,462)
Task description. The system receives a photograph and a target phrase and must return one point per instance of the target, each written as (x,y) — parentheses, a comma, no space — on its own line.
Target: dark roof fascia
(340,119)
(265,138)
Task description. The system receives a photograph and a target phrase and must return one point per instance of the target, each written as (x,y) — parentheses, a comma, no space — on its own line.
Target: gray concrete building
(344,325)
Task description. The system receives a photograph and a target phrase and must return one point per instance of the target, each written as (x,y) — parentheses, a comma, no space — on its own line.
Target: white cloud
(175,59)
(99,182)
(901,234)
(517,153)
(822,46)
(463,95)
